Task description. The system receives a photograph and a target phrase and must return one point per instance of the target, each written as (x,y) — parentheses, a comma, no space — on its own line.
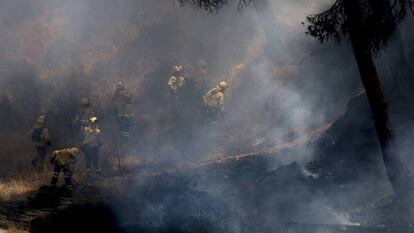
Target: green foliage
(379,21)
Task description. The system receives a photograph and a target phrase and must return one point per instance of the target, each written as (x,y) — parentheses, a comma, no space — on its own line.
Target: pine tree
(369,25)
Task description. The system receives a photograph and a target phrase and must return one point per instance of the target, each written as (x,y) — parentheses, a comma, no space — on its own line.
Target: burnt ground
(239,195)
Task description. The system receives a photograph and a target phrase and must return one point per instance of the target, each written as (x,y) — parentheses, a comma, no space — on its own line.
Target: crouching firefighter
(64,160)
(90,145)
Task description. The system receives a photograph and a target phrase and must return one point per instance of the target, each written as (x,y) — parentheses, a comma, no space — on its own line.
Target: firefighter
(90,145)
(117,97)
(64,160)
(214,100)
(84,114)
(124,118)
(176,81)
(40,140)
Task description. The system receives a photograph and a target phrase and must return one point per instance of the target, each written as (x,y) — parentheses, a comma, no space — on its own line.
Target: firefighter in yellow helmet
(177,80)
(214,100)
(40,140)
(90,145)
(64,160)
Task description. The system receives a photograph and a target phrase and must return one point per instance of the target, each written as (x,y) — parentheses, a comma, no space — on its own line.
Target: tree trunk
(397,173)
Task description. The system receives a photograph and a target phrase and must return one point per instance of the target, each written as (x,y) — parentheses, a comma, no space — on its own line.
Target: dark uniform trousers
(67,174)
(91,158)
(39,161)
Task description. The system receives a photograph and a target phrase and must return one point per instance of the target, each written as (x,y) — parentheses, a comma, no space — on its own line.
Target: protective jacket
(64,157)
(214,98)
(175,83)
(40,136)
(91,136)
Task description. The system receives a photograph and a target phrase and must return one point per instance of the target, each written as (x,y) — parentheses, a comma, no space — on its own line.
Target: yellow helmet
(223,84)
(41,119)
(178,68)
(74,150)
(85,102)
(93,119)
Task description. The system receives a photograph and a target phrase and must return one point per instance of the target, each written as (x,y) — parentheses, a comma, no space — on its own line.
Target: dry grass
(17,189)
(13,229)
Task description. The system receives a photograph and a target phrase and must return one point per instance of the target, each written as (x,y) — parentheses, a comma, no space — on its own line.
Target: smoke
(285,90)
(80,49)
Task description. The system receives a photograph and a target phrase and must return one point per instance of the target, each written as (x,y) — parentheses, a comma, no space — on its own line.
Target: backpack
(37,134)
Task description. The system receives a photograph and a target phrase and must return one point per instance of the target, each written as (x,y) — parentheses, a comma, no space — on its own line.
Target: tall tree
(369,25)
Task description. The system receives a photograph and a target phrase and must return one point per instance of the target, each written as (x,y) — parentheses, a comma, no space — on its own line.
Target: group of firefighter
(89,133)
(213,100)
